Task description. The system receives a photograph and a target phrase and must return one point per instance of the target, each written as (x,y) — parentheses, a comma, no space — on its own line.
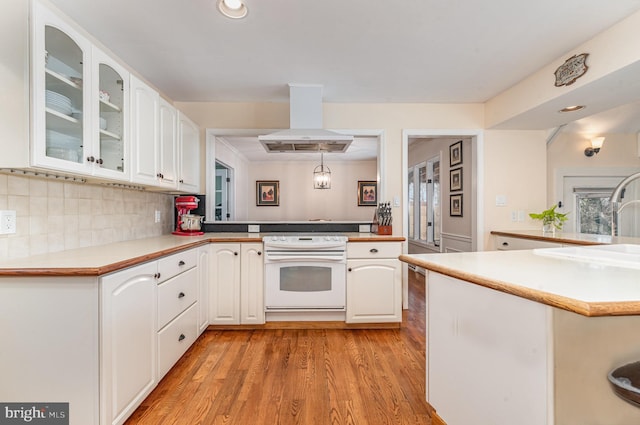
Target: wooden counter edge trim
(101,270)
(544,238)
(130,262)
(377,239)
(589,309)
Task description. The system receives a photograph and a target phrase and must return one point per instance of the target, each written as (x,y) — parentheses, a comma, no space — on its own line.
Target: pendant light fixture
(322,175)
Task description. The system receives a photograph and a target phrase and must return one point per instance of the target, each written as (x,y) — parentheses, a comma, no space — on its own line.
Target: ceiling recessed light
(234,9)
(572,108)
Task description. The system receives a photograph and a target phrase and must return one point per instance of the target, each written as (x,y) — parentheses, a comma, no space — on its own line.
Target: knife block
(384,230)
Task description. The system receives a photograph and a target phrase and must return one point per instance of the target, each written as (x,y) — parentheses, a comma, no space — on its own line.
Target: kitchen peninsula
(519,337)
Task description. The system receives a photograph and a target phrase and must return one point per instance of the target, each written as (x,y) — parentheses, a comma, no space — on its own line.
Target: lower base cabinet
(236,294)
(128,341)
(374,282)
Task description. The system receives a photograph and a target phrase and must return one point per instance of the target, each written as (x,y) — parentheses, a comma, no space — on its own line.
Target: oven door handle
(299,258)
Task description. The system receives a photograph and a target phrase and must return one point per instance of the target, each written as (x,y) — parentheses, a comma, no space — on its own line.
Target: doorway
(223,192)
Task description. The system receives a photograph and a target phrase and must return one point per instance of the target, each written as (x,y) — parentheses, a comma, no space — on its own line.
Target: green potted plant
(551,220)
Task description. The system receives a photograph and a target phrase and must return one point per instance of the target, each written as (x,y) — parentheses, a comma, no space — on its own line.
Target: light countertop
(565,237)
(98,260)
(581,287)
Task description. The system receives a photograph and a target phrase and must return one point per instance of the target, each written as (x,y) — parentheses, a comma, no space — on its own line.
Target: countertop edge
(150,256)
(553,238)
(589,309)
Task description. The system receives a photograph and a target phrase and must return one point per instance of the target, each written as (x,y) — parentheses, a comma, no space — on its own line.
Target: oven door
(305,285)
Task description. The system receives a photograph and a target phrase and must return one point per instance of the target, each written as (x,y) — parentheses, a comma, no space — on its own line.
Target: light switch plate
(8,222)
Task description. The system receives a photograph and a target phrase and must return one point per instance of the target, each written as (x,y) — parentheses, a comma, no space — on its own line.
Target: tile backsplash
(54,215)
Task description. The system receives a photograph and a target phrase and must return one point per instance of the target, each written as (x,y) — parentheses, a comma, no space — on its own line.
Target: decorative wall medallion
(572,69)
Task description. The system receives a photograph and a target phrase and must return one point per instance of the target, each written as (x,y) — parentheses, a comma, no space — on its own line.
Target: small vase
(548,228)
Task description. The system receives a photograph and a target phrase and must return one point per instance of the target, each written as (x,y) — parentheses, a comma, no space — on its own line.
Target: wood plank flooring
(299,376)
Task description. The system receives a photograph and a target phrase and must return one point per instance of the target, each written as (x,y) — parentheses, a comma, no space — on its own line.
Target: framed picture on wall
(455,179)
(455,205)
(367,193)
(455,153)
(267,193)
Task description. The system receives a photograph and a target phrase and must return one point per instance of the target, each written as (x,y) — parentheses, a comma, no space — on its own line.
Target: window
(592,210)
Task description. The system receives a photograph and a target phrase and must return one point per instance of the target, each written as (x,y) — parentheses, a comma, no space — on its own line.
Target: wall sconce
(321,175)
(596,144)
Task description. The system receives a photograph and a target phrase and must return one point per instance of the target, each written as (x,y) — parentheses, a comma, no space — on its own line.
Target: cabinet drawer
(175,295)
(505,243)
(176,338)
(374,249)
(175,264)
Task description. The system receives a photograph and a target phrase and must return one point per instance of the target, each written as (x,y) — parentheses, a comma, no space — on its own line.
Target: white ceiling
(432,51)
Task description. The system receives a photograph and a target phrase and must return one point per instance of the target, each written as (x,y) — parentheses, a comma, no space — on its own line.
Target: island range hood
(305,120)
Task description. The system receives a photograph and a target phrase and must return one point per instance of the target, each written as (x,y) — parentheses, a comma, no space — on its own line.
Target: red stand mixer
(188,224)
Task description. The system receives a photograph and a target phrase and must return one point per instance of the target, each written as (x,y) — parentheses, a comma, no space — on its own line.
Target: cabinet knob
(235,253)
(99,161)
(181,263)
(156,276)
(349,269)
(181,181)
(181,295)
(505,243)
(373,250)
(259,252)
(181,337)
(159,275)
(91,159)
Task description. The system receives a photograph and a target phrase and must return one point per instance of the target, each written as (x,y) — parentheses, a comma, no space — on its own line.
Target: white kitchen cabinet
(178,289)
(80,102)
(167,145)
(237,284)
(148,321)
(204,253)
(61,94)
(128,341)
(374,282)
(154,137)
(188,155)
(224,292)
(251,284)
(506,243)
(145,103)
(110,118)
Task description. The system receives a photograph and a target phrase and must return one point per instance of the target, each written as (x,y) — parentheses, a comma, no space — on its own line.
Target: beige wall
(299,201)
(567,152)
(515,167)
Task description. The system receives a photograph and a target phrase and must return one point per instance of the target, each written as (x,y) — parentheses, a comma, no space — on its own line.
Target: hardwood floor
(307,376)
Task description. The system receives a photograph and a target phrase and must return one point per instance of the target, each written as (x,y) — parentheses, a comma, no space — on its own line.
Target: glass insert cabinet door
(111,96)
(64,104)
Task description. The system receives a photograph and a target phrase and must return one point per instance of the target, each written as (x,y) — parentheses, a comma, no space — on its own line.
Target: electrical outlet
(158,216)
(7,222)
(253,228)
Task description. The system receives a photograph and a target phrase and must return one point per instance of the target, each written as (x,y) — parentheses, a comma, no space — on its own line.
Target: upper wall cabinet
(80,102)
(189,155)
(109,128)
(61,94)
